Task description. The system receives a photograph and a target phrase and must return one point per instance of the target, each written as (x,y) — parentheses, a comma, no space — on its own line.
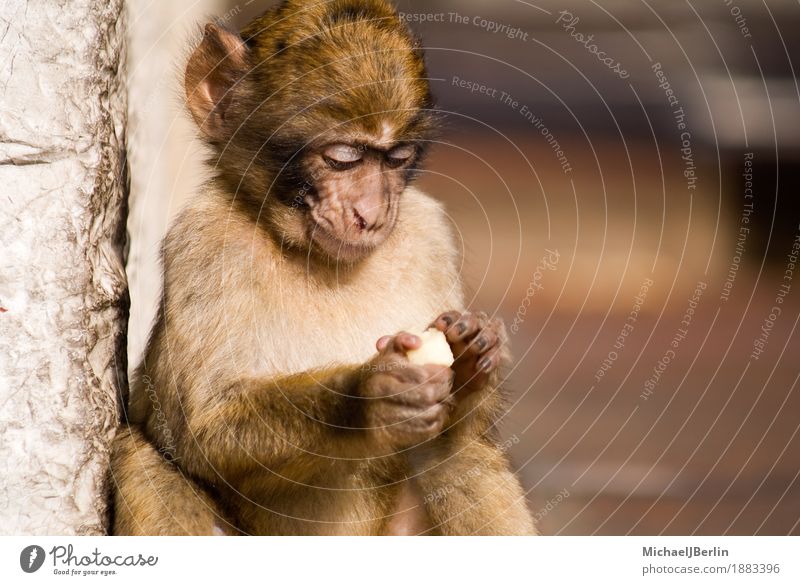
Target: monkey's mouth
(346,249)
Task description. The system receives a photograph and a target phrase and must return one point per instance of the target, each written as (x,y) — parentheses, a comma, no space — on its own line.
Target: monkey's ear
(212,71)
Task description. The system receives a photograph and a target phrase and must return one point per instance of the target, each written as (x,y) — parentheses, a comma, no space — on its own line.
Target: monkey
(275,396)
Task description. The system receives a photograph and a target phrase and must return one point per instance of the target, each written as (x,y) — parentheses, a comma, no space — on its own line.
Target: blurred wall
(165,158)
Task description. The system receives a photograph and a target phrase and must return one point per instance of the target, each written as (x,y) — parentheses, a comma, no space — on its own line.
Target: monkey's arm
(480,347)
(468,489)
(466,483)
(299,424)
(263,423)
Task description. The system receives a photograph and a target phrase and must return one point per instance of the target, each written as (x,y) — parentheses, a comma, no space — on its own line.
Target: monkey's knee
(152,496)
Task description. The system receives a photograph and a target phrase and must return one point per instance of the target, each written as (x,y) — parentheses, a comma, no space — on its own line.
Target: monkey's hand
(404,404)
(480,347)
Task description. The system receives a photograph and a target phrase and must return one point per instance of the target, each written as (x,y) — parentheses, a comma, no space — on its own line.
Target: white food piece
(434,349)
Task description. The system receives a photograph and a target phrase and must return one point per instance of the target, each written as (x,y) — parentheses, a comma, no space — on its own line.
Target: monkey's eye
(342,156)
(400,155)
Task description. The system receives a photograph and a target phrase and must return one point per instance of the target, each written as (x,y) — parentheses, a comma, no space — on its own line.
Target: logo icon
(31,558)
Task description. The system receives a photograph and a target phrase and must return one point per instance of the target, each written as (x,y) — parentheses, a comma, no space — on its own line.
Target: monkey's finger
(418,384)
(466,326)
(402,342)
(405,341)
(421,396)
(499,327)
(445,320)
(440,380)
(430,419)
(483,342)
(438,393)
(438,374)
(409,374)
(489,362)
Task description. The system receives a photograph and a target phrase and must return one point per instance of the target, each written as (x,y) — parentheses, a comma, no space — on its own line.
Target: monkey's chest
(338,328)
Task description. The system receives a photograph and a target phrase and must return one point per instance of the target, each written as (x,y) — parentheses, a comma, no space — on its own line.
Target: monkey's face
(317,112)
(353,195)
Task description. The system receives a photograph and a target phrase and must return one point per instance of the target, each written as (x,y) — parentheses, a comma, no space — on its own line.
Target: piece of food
(434,349)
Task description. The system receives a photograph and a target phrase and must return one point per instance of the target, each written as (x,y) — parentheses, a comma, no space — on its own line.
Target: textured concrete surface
(63,291)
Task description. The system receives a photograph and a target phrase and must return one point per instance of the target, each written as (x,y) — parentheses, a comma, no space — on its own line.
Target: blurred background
(624,180)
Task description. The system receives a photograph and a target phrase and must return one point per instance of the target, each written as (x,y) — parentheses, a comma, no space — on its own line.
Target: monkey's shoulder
(424,228)
(422,211)
(425,237)
(210,235)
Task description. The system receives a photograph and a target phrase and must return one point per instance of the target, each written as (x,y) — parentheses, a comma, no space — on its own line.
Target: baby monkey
(261,406)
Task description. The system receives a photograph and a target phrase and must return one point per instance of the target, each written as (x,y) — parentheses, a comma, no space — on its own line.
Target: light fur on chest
(336,326)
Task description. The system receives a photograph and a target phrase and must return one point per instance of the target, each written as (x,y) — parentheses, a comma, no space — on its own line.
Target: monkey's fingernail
(448,320)
(485,364)
(481,343)
(461,328)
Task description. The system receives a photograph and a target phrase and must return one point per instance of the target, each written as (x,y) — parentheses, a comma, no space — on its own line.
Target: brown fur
(260,383)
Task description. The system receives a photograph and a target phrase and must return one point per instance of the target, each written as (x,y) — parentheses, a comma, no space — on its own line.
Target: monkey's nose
(367,217)
(360,222)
